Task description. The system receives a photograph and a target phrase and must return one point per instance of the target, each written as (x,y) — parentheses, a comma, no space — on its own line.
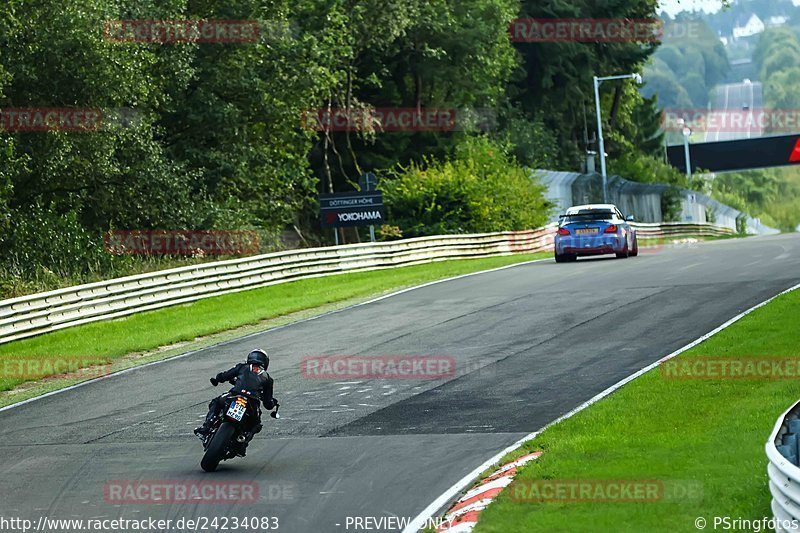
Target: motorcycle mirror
(274,414)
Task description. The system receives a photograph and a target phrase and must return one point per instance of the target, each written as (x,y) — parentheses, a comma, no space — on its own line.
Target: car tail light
(563,231)
(611,229)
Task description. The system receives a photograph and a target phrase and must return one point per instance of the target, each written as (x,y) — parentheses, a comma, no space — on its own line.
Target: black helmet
(258,357)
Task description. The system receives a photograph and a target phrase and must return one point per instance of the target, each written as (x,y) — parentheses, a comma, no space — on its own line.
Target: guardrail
(674,229)
(784,474)
(34,314)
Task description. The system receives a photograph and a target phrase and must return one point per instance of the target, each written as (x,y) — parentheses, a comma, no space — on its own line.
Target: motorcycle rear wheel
(217,447)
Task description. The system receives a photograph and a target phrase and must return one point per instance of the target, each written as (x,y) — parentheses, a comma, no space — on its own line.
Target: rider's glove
(214,381)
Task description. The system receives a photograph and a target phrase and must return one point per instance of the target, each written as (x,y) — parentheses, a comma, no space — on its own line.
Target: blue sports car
(594,229)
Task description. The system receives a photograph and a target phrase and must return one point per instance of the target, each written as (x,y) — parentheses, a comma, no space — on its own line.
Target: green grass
(707,433)
(201,323)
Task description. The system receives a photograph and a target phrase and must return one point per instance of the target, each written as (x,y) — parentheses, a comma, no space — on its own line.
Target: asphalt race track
(736,115)
(530,343)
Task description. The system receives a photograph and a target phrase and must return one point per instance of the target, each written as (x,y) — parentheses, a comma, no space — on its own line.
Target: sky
(709,6)
(675,6)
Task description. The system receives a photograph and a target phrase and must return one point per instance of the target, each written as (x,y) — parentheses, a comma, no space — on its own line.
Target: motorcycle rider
(250,377)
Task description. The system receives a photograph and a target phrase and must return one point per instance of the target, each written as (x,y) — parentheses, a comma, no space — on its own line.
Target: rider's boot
(202,431)
(213,410)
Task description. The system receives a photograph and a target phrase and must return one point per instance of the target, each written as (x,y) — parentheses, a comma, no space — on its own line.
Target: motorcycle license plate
(237,410)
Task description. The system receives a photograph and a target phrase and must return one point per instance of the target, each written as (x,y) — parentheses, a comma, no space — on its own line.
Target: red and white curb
(463,515)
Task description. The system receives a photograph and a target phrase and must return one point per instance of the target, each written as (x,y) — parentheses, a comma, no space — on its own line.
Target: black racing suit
(258,385)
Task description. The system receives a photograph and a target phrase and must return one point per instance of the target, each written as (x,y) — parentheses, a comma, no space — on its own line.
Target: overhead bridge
(743,154)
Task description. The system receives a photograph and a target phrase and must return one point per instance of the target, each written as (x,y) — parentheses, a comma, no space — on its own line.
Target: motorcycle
(229,433)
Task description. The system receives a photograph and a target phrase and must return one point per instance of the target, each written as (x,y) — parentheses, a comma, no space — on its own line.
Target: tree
(782,89)
(443,54)
(772,41)
(663,85)
(480,188)
(115,175)
(695,64)
(554,82)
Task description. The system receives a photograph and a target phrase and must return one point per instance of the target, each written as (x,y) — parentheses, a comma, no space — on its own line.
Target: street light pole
(600,137)
(597,82)
(686,132)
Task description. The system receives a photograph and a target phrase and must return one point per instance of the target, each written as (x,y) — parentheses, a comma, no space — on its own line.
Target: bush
(44,238)
(535,145)
(45,248)
(636,166)
(481,188)
(671,205)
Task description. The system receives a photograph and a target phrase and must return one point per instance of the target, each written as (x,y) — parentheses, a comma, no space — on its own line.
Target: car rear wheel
(565,258)
(624,254)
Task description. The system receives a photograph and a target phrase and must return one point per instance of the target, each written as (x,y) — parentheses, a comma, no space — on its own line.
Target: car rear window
(588,216)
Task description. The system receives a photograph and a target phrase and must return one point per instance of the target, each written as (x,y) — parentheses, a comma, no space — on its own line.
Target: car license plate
(236,411)
(585,231)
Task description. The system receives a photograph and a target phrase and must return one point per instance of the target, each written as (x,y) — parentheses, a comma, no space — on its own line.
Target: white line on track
(439,503)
